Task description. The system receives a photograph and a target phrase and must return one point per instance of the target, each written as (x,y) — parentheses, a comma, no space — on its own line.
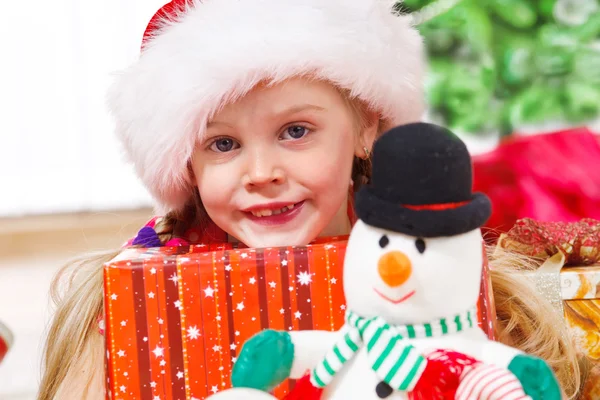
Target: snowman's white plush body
(440,278)
(444,280)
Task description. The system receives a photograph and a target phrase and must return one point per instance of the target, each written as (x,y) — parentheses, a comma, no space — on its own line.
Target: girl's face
(274,168)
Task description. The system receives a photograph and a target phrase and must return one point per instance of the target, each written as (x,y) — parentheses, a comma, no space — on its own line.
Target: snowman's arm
(499,354)
(310,348)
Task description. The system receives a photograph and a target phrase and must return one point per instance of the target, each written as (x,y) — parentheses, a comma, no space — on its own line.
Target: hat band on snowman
(436,207)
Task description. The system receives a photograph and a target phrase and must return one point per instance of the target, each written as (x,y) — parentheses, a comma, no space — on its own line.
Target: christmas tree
(500,66)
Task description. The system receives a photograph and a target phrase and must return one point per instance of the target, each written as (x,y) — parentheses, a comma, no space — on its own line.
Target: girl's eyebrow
(299,108)
(213,123)
(286,111)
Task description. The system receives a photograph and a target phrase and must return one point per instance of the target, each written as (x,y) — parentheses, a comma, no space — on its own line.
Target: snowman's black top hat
(421,184)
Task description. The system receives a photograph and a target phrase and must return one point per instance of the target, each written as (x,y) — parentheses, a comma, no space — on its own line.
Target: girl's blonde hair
(74,353)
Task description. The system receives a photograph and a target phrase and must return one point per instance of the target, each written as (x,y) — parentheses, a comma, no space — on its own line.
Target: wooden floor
(32,249)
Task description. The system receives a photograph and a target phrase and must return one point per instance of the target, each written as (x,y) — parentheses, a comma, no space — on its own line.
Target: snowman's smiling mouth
(398,301)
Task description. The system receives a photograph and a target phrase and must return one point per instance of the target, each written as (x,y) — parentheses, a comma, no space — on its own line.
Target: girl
(252,121)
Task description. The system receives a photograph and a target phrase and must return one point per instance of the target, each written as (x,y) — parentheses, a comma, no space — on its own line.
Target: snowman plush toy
(412,276)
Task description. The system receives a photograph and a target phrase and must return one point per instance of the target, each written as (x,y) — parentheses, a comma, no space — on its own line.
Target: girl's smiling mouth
(274,213)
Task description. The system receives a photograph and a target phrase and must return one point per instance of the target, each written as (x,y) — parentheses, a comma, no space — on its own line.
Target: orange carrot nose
(394,268)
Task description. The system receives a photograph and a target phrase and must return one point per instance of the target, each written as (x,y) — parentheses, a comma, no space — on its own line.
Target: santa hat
(200,54)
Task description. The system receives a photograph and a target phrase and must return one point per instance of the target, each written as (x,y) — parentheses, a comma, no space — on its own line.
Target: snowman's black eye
(420,244)
(384,241)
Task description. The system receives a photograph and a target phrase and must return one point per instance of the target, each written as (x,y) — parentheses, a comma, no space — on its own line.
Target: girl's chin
(277,239)
(258,236)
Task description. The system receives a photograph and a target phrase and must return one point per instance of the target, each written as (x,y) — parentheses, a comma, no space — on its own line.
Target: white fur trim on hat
(217,50)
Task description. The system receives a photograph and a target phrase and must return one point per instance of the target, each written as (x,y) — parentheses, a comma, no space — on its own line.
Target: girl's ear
(367,136)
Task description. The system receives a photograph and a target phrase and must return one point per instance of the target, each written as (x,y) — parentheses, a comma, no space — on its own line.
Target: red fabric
(436,207)
(441,377)
(168,12)
(304,390)
(3,349)
(549,177)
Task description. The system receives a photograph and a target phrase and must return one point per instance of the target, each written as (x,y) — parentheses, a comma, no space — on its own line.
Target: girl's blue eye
(223,145)
(296,132)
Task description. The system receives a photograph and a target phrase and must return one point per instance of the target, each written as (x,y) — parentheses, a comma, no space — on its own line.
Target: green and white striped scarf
(395,362)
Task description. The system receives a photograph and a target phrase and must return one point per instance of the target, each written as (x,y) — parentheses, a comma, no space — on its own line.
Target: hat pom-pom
(441,377)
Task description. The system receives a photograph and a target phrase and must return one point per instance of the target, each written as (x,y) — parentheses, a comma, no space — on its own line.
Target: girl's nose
(262,169)
(394,268)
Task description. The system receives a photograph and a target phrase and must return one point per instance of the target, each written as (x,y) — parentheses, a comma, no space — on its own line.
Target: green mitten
(264,362)
(537,378)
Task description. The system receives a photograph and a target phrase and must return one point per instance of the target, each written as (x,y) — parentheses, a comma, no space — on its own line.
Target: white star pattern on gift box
(214,389)
(333,281)
(228,267)
(152,384)
(178,305)
(252,281)
(113,296)
(121,353)
(174,279)
(272,284)
(151,295)
(208,292)
(233,346)
(158,351)
(153,271)
(216,348)
(123,323)
(240,306)
(193,333)
(304,278)
(297,314)
(179,375)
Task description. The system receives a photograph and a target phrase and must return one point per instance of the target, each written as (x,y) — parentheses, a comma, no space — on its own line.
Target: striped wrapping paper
(176,318)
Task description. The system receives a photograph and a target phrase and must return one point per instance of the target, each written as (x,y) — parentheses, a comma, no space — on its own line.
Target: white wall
(57,149)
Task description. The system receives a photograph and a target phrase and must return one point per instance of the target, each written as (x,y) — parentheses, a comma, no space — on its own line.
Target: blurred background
(64,186)
(518,80)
